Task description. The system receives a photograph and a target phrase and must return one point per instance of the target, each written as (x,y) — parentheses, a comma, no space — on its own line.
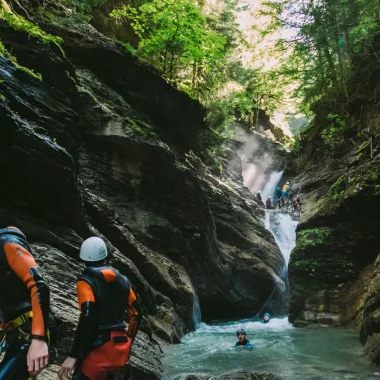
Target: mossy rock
(363,182)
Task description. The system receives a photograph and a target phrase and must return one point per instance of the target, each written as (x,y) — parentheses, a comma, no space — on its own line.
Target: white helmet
(270,197)
(287,183)
(258,191)
(93,249)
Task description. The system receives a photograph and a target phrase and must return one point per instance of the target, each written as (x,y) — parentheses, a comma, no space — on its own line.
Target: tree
(175,38)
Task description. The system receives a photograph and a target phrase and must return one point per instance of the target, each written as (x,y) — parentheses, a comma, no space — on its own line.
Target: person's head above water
(266,317)
(241,335)
(93,250)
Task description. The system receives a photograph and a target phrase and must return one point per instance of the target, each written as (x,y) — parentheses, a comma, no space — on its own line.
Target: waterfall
(197,317)
(283,227)
(271,185)
(281,224)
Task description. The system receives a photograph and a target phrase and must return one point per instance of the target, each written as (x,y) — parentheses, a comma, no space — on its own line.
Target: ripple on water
(297,354)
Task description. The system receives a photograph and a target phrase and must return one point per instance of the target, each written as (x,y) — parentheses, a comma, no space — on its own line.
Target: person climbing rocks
(24,306)
(242,340)
(101,346)
(259,199)
(278,194)
(268,203)
(266,318)
(286,192)
(297,204)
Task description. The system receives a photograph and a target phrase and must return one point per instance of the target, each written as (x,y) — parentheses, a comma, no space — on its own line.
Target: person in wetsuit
(24,306)
(101,346)
(242,340)
(268,203)
(266,318)
(278,193)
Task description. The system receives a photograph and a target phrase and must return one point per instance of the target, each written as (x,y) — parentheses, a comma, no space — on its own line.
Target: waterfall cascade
(282,224)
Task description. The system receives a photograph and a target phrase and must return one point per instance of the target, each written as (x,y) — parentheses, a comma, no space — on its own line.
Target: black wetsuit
(22,290)
(101,343)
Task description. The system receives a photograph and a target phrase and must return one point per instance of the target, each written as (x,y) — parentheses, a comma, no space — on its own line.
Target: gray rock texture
(333,270)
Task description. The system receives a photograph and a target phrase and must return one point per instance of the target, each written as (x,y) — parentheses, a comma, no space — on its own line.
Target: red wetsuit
(22,290)
(101,342)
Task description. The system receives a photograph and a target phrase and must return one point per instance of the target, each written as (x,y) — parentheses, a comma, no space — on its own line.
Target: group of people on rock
(102,344)
(281,194)
(241,335)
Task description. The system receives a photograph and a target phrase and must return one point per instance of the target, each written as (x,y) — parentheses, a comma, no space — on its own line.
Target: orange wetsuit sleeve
(135,315)
(87,326)
(22,263)
(85,293)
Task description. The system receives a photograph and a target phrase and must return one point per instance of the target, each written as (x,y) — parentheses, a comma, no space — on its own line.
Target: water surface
(293,353)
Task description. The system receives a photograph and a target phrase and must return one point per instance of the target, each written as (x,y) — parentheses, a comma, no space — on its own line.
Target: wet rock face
(332,270)
(336,241)
(101,147)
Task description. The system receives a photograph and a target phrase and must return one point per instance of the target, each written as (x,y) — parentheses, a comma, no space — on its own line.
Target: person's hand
(67,368)
(38,356)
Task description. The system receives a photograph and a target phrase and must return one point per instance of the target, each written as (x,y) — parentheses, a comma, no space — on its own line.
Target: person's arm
(24,266)
(86,330)
(135,315)
(88,321)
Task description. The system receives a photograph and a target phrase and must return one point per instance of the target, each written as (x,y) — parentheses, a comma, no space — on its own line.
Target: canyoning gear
(286,189)
(14,365)
(93,249)
(246,343)
(268,204)
(297,204)
(240,331)
(22,288)
(103,295)
(24,303)
(114,351)
(266,318)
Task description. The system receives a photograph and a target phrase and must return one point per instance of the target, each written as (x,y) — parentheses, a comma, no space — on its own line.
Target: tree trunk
(324,45)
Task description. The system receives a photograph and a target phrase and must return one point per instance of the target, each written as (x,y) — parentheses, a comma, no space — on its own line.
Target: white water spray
(271,185)
(283,227)
(282,224)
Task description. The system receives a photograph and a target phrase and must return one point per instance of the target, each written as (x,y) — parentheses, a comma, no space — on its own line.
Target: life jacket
(111,290)
(285,189)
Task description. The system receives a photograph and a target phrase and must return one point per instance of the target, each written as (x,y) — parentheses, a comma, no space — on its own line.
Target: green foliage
(257,91)
(5,53)
(325,39)
(2,50)
(174,37)
(313,237)
(367,178)
(19,23)
(333,134)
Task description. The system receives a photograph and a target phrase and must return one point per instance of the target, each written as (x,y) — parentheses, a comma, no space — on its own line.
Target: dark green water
(296,354)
